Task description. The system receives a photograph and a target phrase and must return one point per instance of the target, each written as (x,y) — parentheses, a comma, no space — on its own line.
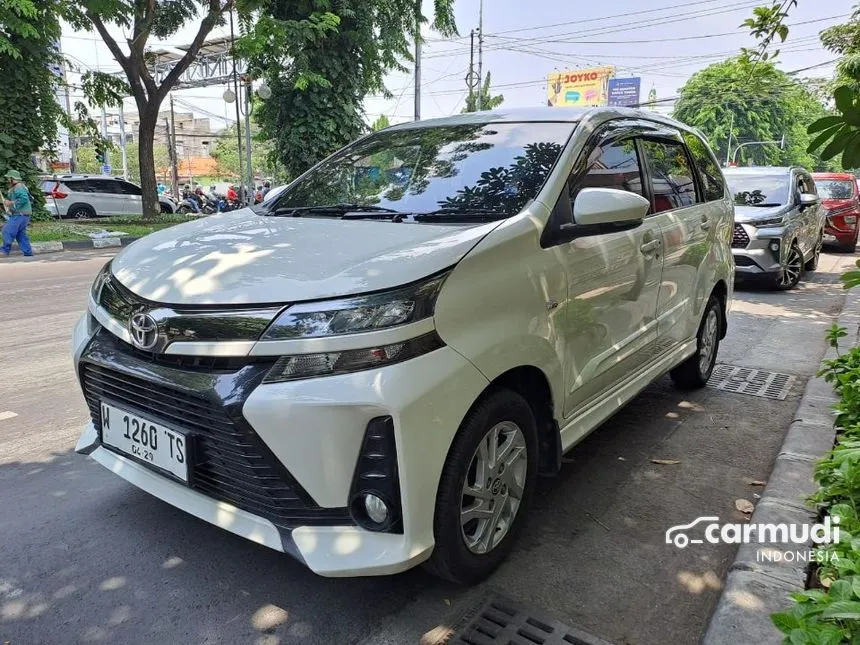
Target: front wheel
(694,373)
(485,489)
(789,276)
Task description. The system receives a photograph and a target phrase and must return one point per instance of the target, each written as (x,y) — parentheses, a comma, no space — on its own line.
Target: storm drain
(745,380)
(502,622)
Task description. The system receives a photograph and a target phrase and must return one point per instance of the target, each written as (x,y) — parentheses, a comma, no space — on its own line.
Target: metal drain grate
(745,380)
(502,622)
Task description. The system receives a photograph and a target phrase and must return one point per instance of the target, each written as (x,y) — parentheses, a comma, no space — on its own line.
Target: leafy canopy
(718,98)
(320,59)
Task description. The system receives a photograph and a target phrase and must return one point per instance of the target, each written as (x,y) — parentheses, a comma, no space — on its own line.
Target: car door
(613,278)
(687,228)
(133,203)
(812,215)
(106,197)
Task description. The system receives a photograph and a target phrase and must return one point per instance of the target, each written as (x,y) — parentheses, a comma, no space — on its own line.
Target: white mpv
(370,371)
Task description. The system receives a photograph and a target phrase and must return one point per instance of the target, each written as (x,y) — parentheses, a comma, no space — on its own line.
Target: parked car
(86,197)
(779,224)
(370,371)
(841,201)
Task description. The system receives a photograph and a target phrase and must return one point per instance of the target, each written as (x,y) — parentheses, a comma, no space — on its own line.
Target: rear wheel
(696,370)
(790,273)
(80,211)
(485,489)
(812,263)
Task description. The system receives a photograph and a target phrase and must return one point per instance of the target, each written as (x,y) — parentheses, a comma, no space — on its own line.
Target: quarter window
(713,184)
(672,181)
(612,165)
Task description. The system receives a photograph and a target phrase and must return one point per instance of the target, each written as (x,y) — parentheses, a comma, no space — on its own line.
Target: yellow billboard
(579,87)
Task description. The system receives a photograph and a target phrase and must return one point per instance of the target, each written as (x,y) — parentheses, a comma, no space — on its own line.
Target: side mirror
(808,199)
(597,206)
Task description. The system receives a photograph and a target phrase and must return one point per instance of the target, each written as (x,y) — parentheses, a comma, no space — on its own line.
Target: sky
(662,41)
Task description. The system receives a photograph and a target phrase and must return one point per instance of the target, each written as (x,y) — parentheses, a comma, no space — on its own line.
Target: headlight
(399,306)
(99,282)
(291,368)
(770,221)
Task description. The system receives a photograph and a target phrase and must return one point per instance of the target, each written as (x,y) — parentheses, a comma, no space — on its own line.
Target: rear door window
(108,186)
(672,178)
(713,184)
(79,186)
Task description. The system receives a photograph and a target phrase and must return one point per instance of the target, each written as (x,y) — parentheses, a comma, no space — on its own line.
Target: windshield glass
(493,167)
(835,188)
(759,190)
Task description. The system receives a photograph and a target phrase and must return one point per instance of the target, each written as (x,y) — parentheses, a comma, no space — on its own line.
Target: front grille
(229,463)
(740,239)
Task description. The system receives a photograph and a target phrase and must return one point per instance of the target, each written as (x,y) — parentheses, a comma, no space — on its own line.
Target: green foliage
(30,112)
(851,279)
(834,334)
(488,102)
(226,153)
(380,124)
(718,97)
(767,24)
(321,59)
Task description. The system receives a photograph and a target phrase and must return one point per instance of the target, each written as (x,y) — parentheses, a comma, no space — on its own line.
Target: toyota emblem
(144,331)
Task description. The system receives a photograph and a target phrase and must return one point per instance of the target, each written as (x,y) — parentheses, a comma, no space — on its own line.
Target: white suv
(85,197)
(370,371)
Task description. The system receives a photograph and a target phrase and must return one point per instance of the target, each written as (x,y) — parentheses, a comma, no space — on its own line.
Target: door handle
(648,247)
(705,224)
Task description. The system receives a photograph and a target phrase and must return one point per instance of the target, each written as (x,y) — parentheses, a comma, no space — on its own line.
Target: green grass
(65,231)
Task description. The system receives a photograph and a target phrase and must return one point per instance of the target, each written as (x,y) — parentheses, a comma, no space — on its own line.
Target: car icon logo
(143,330)
(676,534)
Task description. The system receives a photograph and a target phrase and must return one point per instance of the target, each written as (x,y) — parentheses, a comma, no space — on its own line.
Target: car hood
(244,258)
(753,213)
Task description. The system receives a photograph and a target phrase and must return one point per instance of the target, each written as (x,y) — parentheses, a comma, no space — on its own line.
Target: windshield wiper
(456,214)
(336,209)
(765,205)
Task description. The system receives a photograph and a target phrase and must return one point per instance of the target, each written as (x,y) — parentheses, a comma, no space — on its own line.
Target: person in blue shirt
(18,207)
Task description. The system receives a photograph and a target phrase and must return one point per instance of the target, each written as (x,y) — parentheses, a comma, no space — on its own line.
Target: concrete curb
(40,248)
(754,588)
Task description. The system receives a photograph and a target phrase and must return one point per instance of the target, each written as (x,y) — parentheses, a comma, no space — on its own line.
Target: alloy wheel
(708,343)
(793,266)
(494,487)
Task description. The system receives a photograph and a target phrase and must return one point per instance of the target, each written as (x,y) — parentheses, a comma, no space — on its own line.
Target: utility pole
(480,103)
(248,138)
(105,137)
(73,162)
(418,60)
(171,144)
(122,142)
(470,77)
(729,144)
(242,189)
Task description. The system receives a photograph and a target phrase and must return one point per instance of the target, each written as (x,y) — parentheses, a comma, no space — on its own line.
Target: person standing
(19,206)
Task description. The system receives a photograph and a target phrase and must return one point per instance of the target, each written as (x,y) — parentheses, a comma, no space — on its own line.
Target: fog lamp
(774,246)
(377,510)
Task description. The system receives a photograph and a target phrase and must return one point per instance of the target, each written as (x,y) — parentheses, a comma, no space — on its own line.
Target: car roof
(540,115)
(760,170)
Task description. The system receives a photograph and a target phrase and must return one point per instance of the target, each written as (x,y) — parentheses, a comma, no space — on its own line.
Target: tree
(85,160)
(226,153)
(718,98)
(28,31)
(380,124)
(320,59)
(143,18)
(488,102)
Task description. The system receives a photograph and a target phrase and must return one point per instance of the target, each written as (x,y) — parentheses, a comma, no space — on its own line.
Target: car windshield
(759,190)
(492,169)
(835,188)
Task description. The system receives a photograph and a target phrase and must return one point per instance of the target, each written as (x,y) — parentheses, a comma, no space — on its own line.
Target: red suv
(838,192)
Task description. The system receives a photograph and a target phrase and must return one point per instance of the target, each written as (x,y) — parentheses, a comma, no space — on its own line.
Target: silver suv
(85,197)
(779,224)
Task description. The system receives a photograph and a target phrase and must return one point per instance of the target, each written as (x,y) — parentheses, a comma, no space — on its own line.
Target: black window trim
(700,172)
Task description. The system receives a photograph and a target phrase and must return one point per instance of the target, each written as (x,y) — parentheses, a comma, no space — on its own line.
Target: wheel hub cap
(791,272)
(709,341)
(493,487)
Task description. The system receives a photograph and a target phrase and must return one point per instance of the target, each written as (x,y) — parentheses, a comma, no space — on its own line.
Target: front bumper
(314,430)
(758,259)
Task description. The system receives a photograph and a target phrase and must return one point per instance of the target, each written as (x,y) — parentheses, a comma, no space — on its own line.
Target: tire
(467,552)
(184,210)
(164,208)
(694,372)
(812,264)
(789,276)
(80,211)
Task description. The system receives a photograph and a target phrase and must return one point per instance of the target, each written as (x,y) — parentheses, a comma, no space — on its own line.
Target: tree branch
(112,45)
(206,26)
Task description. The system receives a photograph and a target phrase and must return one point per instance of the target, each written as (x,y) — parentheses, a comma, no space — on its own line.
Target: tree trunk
(146,143)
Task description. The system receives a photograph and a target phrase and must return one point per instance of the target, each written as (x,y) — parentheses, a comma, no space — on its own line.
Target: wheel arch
(721,291)
(84,205)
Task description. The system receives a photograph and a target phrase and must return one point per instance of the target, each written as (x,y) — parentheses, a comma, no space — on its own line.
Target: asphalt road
(87,558)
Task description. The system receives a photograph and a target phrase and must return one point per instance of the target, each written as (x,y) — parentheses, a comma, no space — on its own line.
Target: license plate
(150,442)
